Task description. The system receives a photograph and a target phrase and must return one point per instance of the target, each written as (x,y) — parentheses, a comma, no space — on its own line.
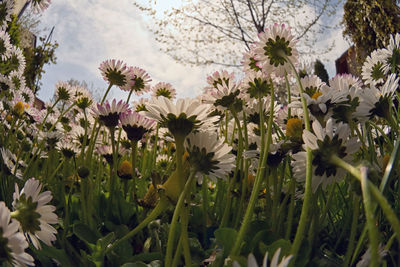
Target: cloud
(92,31)
(89,32)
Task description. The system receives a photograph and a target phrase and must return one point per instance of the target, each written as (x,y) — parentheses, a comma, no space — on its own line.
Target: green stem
(177,252)
(134,154)
(161,206)
(289,95)
(353,231)
(369,214)
(185,236)
(382,201)
(174,221)
(106,93)
(257,184)
(301,229)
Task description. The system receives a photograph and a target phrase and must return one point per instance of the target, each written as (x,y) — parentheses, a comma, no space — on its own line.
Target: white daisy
(219,77)
(108,113)
(209,155)
(16,61)
(274,44)
(373,69)
(251,260)
(224,96)
(10,163)
(6,9)
(255,84)
(135,125)
(393,55)
(12,242)
(311,84)
(39,6)
(138,81)
(33,213)
(377,99)
(182,117)
(249,63)
(5,44)
(115,72)
(163,89)
(325,142)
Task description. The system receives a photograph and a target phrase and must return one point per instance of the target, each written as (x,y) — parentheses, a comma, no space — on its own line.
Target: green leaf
(147,257)
(53,253)
(283,244)
(156,263)
(85,233)
(226,238)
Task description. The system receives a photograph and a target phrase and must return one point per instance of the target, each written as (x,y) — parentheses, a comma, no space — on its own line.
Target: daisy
(63,91)
(164,89)
(349,106)
(107,153)
(52,138)
(12,242)
(220,78)
(108,113)
(377,100)
(10,165)
(138,81)
(135,125)
(325,142)
(250,64)
(39,6)
(33,213)
(256,84)
(27,96)
(115,72)
(81,96)
(180,118)
(15,62)
(6,9)
(140,105)
(274,45)
(5,44)
(251,260)
(373,69)
(224,96)
(393,55)
(67,148)
(209,155)
(5,83)
(311,85)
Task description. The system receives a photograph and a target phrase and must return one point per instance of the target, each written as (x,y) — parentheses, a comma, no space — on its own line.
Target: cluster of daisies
(223,132)
(29,221)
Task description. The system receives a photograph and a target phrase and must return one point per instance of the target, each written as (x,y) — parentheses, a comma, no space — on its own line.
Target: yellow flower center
(316,95)
(20,107)
(294,127)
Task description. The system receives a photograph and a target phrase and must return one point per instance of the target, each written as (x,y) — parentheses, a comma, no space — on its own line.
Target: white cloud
(91,31)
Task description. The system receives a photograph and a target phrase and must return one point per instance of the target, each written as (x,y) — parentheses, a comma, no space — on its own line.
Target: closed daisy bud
(125,170)
(294,128)
(83,172)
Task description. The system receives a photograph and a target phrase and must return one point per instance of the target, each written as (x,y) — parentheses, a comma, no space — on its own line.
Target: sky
(91,31)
